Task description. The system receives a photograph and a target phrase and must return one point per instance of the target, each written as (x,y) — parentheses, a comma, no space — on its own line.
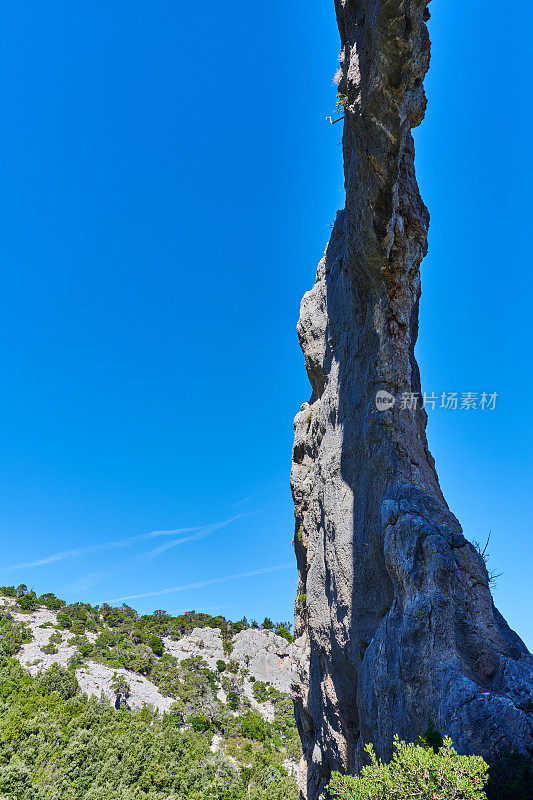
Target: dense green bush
(12,636)
(284,632)
(51,602)
(260,691)
(28,601)
(58,679)
(252,726)
(415,772)
(156,645)
(199,724)
(55,747)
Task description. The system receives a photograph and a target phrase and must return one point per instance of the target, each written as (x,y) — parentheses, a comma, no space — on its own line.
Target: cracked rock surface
(395,621)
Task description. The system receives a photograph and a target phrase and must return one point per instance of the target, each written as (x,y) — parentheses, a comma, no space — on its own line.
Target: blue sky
(167,183)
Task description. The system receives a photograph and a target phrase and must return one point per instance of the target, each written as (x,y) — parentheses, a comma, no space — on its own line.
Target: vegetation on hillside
(56,743)
(81,617)
(125,640)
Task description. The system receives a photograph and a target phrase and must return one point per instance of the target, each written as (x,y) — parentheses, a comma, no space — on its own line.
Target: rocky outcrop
(260,655)
(395,622)
(265,656)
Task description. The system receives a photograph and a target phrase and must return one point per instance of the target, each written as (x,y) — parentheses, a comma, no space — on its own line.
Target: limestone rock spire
(395,621)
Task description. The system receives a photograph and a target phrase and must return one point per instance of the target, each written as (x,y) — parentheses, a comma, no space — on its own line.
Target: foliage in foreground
(416,772)
(58,745)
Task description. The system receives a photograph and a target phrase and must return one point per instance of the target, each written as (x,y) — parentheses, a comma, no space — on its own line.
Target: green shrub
(432,738)
(252,726)
(227,646)
(50,601)
(260,691)
(15,781)
(28,602)
(8,591)
(415,772)
(199,724)
(12,636)
(221,665)
(156,645)
(85,648)
(284,633)
(58,679)
(233,700)
(120,685)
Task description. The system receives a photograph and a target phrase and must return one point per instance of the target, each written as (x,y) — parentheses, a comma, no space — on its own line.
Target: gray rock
(97,680)
(267,656)
(395,622)
(260,653)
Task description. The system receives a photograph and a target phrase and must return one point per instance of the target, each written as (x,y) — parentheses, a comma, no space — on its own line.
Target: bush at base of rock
(415,772)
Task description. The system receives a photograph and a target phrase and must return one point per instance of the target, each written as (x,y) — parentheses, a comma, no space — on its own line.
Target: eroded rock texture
(394,617)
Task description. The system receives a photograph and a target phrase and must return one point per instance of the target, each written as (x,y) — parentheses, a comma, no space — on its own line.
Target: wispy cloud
(198,532)
(202,584)
(85,582)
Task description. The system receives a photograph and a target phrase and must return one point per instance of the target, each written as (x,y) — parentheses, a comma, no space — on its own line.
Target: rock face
(266,656)
(395,622)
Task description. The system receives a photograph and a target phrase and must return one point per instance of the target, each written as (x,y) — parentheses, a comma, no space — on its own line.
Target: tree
(49,600)
(28,601)
(284,632)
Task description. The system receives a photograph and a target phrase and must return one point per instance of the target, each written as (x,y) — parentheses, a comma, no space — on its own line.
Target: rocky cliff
(395,622)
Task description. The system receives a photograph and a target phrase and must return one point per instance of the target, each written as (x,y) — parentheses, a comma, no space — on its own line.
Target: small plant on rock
(432,737)
(120,685)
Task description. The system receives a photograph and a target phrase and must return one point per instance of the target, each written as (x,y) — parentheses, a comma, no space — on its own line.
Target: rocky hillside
(249,659)
(228,680)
